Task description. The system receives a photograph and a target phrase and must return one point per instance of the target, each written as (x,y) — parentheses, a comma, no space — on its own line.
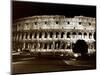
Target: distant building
(52,33)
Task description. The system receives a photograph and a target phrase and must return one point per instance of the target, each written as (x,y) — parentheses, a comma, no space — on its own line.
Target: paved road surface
(34,65)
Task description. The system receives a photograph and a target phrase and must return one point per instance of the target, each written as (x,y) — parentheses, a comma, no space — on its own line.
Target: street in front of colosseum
(30,64)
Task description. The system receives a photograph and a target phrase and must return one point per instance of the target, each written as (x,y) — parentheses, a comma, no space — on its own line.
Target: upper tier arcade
(54,22)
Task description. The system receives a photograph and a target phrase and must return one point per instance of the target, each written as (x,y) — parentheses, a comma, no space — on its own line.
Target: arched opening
(63,45)
(74,34)
(26,45)
(80,23)
(38,45)
(68,22)
(29,46)
(57,34)
(89,23)
(35,35)
(50,45)
(45,35)
(51,34)
(30,35)
(26,36)
(80,35)
(57,22)
(68,35)
(35,45)
(45,46)
(35,23)
(85,34)
(90,35)
(56,45)
(40,35)
(62,34)
(45,22)
(68,46)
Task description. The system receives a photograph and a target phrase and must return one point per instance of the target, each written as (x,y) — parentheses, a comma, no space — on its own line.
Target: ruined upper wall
(54,22)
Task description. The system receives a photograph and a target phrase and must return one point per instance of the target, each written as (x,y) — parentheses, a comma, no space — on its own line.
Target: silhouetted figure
(80,47)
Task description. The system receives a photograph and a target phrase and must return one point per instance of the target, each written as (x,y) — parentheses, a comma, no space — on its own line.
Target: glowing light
(61,55)
(76,55)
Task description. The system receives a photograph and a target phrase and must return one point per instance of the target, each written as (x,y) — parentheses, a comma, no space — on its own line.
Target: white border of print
(5,32)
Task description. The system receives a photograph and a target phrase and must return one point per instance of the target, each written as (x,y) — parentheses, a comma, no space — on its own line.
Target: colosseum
(52,33)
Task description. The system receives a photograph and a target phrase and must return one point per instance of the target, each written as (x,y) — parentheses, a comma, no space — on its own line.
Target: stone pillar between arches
(32,36)
(24,36)
(28,36)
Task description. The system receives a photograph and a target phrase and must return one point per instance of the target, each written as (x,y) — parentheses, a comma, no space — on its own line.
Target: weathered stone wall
(52,32)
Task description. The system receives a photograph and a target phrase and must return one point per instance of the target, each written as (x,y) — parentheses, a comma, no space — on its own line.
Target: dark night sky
(24,9)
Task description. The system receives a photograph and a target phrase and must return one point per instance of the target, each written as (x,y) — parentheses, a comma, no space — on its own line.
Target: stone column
(32,36)
(92,36)
(80,36)
(87,37)
(47,46)
(61,45)
(43,35)
(24,36)
(18,36)
(54,35)
(38,46)
(64,35)
(83,36)
(28,36)
(23,46)
(57,45)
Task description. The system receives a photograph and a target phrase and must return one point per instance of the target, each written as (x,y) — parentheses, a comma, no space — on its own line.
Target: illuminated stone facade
(52,33)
